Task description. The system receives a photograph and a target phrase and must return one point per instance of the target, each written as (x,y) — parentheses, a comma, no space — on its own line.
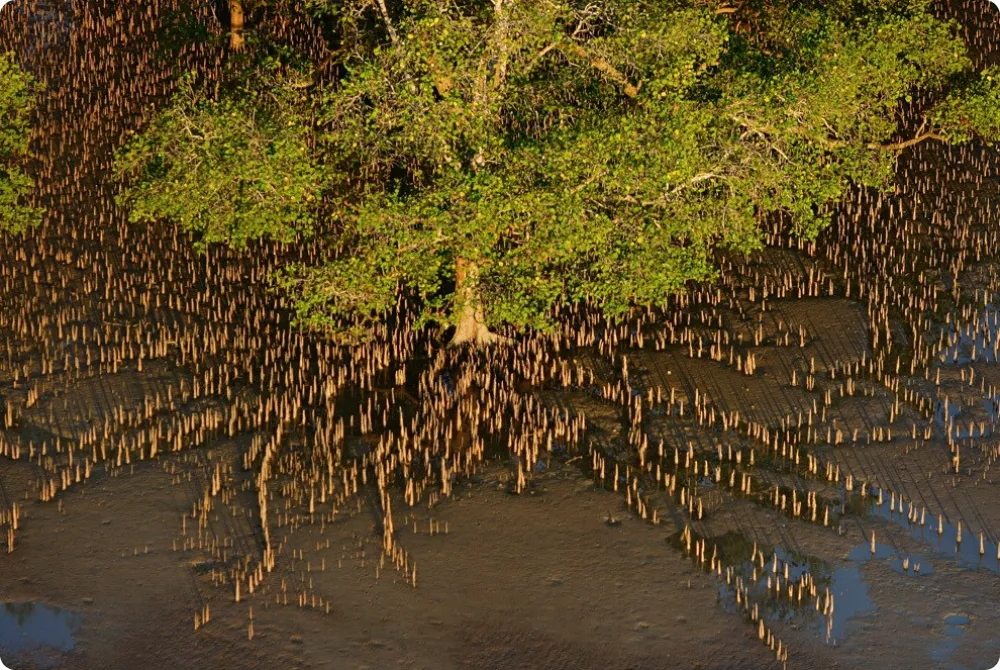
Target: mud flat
(794,467)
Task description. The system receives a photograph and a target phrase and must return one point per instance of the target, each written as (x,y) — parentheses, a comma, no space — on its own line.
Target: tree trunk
(471,327)
(236,25)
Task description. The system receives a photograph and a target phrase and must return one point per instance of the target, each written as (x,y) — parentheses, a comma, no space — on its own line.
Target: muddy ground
(115,337)
(536,581)
(562,576)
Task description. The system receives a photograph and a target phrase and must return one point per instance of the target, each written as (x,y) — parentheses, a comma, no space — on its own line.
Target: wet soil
(140,384)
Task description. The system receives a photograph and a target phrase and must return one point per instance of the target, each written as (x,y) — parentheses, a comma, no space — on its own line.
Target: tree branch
(704,176)
(760,131)
(896,146)
(501,31)
(538,56)
(607,68)
(664,199)
(388,22)
(587,182)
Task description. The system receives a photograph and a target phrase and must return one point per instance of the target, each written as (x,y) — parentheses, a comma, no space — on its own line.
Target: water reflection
(27,626)
(954,629)
(845,582)
(975,342)
(944,543)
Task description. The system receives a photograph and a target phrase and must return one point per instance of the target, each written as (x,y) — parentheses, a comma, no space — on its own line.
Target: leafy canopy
(17,99)
(232,170)
(566,150)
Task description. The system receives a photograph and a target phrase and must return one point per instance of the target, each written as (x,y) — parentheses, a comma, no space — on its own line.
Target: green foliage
(567,150)
(18,91)
(182,28)
(230,171)
(971,109)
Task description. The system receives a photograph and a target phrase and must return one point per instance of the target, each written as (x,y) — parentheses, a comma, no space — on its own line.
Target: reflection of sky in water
(953,411)
(944,545)
(954,629)
(24,626)
(962,429)
(850,598)
(846,583)
(978,337)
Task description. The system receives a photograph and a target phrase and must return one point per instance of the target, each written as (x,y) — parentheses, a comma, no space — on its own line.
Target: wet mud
(795,466)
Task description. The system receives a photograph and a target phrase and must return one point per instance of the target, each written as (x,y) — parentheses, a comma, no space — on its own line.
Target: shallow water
(954,630)
(846,583)
(29,626)
(944,544)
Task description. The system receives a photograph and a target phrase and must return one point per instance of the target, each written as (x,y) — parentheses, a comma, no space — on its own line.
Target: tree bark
(471,327)
(236,25)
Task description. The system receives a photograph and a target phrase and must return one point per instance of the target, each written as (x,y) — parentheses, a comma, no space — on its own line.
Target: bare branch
(704,176)
(589,12)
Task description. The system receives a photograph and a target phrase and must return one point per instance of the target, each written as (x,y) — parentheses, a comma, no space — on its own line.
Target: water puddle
(974,342)
(945,543)
(29,628)
(851,595)
(967,431)
(940,535)
(914,565)
(845,582)
(954,626)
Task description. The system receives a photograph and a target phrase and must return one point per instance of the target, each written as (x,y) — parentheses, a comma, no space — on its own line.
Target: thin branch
(664,199)
(704,176)
(588,13)
(829,127)
(585,16)
(761,132)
